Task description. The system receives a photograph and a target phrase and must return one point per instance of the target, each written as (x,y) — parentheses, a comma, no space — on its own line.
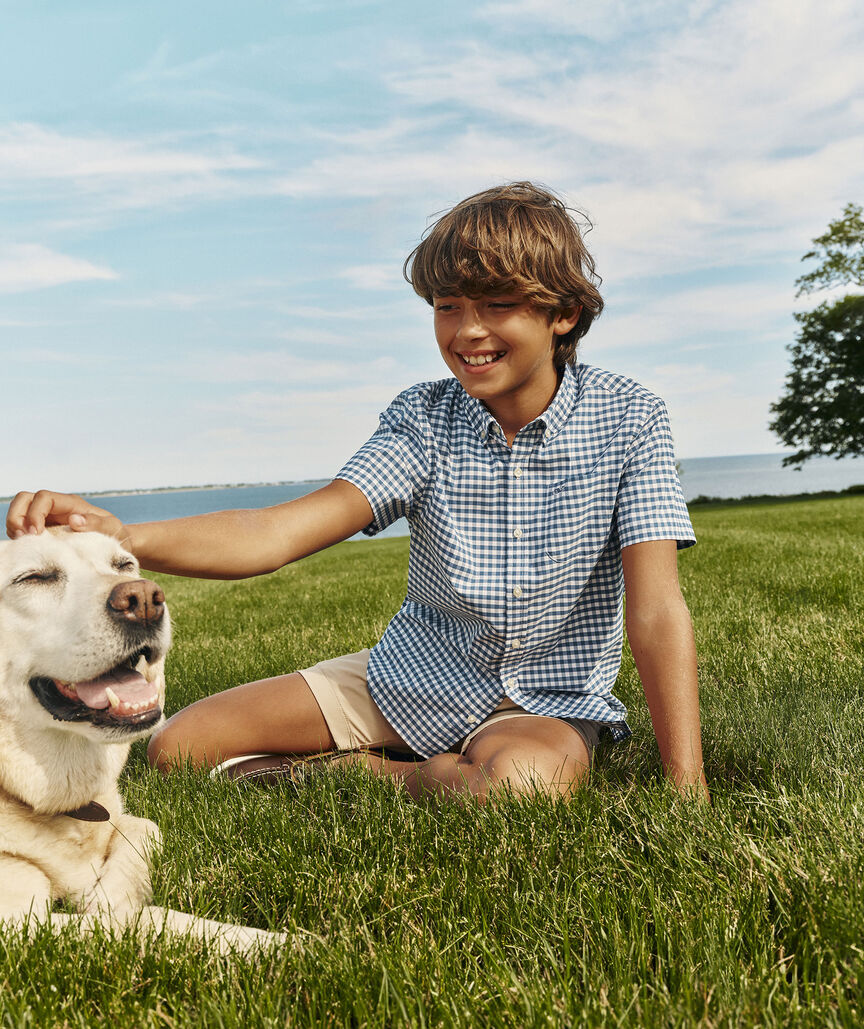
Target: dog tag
(92,812)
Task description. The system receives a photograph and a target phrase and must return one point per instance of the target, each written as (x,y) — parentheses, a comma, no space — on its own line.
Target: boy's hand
(32,512)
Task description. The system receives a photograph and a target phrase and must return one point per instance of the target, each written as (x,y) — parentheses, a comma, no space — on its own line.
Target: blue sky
(204,209)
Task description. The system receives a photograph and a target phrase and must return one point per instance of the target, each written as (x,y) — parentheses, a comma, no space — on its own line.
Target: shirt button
(517,471)
(515,644)
(517,592)
(511,683)
(517,533)
(471,719)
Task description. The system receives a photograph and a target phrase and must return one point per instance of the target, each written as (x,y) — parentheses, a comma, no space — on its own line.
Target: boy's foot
(271,769)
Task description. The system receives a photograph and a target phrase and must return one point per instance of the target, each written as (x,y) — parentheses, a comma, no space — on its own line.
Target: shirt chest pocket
(577,516)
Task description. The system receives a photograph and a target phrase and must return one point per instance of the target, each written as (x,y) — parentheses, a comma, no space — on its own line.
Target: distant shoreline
(184,489)
(775,498)
(703,479)
(700,501)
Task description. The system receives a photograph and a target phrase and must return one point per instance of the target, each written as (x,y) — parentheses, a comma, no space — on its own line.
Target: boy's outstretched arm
(222,545)
(661,639)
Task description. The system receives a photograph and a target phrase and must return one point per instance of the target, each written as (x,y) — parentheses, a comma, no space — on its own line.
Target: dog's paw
(226,938)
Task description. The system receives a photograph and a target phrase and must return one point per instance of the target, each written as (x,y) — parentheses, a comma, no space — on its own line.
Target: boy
(537,491)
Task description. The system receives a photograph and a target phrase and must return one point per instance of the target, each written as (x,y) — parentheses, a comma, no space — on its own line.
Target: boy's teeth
(477,359)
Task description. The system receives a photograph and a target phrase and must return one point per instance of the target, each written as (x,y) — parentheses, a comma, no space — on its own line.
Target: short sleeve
(650,503)
(391,469)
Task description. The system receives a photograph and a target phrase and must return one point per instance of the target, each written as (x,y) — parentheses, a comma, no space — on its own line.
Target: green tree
(822,408)
(840,251)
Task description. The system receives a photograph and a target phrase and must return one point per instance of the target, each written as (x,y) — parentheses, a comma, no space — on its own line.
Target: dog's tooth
(113,699)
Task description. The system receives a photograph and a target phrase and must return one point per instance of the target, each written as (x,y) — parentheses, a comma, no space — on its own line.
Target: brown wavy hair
(518,238)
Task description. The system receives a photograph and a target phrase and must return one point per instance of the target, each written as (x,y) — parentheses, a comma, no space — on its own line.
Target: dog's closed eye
(42,575)
(124,565)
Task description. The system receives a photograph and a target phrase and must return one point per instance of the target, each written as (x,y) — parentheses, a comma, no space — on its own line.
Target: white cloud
(41,356)
(276,366)
(747,311)
(294,434)
(168,301)
(721,74)
(386,276)
(730,136)
(713,412)
(601,20)
(30,266)
(28,151)
(413,164)
(292,408)
(94,176)
(702,143)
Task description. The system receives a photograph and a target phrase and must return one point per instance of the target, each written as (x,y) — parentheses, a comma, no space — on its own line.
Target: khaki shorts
(354,719)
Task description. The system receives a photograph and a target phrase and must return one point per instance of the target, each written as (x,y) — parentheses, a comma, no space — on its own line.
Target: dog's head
(83,637)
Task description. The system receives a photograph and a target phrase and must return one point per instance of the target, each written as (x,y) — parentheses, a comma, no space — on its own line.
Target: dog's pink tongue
(130,687)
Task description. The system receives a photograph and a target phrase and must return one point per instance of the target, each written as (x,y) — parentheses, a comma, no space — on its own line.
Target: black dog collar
(92,812)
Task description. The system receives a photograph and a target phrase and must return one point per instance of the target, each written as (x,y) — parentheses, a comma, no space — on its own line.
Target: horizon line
(138,490)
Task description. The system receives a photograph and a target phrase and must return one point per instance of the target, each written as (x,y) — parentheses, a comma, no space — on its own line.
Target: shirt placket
(517,587)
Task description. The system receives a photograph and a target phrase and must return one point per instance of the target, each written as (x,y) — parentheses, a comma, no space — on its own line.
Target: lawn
(623,906)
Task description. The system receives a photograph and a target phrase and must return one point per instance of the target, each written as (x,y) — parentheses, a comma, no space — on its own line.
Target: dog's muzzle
(127,696)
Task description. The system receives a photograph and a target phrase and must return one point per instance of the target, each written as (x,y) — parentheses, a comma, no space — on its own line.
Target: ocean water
(764,474)
(728,477)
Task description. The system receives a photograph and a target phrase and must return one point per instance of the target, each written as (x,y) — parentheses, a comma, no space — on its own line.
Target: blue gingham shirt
(514,578)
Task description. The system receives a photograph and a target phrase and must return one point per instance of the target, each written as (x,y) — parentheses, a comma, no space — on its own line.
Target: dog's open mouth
(122,696)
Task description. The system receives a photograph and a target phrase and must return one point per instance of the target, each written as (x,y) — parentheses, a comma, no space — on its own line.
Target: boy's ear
(565,320)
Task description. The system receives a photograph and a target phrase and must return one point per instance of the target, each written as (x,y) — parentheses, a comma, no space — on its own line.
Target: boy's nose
(471,325)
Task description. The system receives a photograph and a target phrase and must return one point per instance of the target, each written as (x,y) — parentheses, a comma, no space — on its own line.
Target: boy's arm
(661,639)
(222,545)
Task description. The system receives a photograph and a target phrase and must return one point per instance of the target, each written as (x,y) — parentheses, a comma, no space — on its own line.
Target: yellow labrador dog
(83,640)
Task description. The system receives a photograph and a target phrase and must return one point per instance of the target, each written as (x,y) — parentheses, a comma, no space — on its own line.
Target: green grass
(623,906)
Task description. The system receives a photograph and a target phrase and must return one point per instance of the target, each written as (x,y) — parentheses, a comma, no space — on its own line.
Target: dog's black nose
(139,601)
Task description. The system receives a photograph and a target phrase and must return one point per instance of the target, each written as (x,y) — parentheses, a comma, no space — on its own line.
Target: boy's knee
(156,756)
(451,773)
(167,748)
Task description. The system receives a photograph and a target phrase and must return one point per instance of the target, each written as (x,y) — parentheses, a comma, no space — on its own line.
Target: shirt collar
(552,420)
(556,415)
(479,417)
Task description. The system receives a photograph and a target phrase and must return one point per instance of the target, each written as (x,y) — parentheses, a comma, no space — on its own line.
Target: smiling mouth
(122,697)
(478,360)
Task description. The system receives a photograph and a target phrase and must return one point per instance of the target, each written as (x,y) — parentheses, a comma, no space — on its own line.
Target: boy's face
(500,349)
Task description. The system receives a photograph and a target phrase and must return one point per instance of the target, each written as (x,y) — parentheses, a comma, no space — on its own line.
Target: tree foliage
(822,409)
(840,252)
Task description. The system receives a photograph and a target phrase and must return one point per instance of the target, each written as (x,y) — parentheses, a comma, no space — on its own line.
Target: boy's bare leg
(281,716)
(522,755)
(270,716)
